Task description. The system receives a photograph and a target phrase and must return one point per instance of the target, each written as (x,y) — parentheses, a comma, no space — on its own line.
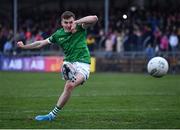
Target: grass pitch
(106,100)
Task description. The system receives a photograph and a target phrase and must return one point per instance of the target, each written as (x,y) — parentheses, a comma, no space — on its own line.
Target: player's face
(67,24)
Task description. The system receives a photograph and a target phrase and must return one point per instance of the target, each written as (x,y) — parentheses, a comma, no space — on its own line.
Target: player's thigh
(79,80)
(84,69)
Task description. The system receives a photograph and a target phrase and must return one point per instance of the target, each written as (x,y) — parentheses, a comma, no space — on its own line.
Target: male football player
(76,67)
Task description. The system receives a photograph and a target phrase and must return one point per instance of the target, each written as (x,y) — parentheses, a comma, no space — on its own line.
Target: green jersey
(73,44)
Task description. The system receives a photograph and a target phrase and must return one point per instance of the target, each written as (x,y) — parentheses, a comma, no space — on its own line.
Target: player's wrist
(24,47)
(77,22)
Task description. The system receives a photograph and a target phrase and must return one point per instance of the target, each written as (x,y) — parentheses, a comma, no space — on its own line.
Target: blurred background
(127,35)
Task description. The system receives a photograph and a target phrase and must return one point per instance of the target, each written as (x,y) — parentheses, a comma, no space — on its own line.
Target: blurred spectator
(102,39)
(38,36)
(21,35)
(120,40)
(8,47)
(126,40)
(138,39)
(3,38)
(164,43)
(29,37)
(173,41)
(141,28)
(109,47)
(156,49)
(90,42)
(149,52)
(113,37)
(157,35)
(148,36)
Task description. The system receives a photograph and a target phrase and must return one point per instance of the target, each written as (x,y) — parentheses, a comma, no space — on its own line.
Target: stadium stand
(149,32)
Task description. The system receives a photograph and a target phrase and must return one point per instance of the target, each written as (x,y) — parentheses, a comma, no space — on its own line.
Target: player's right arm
(34,45)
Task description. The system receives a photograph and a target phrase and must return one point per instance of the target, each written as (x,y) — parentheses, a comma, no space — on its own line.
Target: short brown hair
(67,15)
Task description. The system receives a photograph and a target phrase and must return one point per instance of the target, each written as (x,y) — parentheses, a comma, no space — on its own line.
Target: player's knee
(70,86)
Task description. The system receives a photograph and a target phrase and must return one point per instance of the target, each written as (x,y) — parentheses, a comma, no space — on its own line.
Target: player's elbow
(42,43)
(38,47)
(95,18)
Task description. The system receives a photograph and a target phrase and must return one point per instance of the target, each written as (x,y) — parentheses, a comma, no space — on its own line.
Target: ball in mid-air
(157,67)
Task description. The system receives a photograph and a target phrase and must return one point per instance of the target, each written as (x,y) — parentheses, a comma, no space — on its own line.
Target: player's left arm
(87,21)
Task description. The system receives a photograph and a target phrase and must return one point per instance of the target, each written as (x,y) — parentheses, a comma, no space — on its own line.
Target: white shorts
(82,68)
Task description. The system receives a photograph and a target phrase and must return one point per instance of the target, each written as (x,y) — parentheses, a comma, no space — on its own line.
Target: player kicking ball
(76,66)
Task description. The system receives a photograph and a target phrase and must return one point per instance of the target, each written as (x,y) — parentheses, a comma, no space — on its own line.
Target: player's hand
(73,27)
(20,44)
